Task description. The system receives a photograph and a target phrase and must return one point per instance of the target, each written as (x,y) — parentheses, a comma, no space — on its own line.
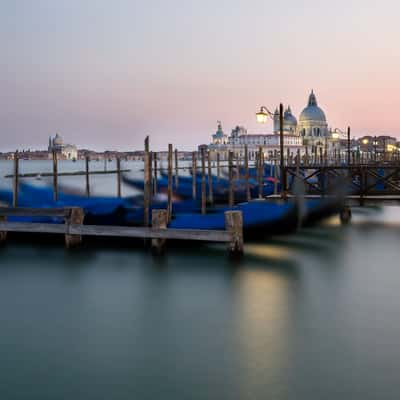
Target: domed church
(313,127)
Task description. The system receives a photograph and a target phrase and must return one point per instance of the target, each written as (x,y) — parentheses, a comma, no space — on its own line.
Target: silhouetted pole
(348,146)
(16,179)
(55,176)
(203,181)
(87,176)
(283,174)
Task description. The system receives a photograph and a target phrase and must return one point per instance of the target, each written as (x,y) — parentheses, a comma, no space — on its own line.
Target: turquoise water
(314,315)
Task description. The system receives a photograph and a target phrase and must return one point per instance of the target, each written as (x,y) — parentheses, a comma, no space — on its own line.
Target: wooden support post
(159,220)
(237,166)
(275,172)
(234,224)
(147,188)
(55,176)
(348,146)
(194,175)
(218,167)
(119,177)
(16,179)
(287,156)
(3,234)
(155,188)
(75,217)
(306,157)
(169,207)
(231,188)
(210,182)
(203,182)
(176,170)
(87,176)
(246,171)
(260,173)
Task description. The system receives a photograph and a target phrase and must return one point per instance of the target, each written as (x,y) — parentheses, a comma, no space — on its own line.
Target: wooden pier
(73,228)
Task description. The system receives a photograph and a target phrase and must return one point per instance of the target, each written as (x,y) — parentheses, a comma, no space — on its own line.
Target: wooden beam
(159,220)
(16,179)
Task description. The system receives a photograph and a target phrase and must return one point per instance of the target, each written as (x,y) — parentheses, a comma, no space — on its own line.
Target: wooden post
(176,170)
(281,143)
(246,171)
(231,188)
(3,234)
(203,181)
(75,217)
(275,172)
(218,167)
(87,176)
(16,179)
(320,156)
(155,188)
(260,173)
(194,175)
(348,146)
(237,166)
(210,183)
(118,177)
(169,208)
(234,224)
(287,156)
(55,176)
(159,220)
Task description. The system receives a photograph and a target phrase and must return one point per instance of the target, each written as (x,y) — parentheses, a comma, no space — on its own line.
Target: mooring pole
(16,179)
(231,191)
(155,174)
(348,146)
(194,175)
(118,177)
(260,173)
(210,183)
(55,176)
(218,167)
(176,170)
(246,171)
(169,208)
(203,181)
(87,176)
(283,173)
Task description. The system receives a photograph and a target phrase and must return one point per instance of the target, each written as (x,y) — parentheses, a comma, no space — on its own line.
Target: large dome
(289,118)
(312,112)
(58,141)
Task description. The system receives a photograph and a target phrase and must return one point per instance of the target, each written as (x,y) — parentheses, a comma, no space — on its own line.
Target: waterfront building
(64,151)
(310,132)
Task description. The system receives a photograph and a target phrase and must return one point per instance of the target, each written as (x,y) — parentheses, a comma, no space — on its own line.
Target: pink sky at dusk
(105,74)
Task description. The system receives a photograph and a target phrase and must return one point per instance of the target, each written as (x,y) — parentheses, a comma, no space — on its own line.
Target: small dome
(289,118)
(58,141)
(312,112)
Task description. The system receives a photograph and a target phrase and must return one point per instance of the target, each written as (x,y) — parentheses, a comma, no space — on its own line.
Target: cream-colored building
(310,132)
(64,151)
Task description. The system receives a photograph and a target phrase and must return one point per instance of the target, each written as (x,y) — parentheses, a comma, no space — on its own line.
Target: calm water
(314,315)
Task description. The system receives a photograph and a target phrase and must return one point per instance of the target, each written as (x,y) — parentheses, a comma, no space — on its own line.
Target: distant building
(65,151)
(311,133)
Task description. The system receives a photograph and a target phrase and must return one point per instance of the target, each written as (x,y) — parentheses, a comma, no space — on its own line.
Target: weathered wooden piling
(260,173)
(3,234)
(234,225)
(119,191)
(218,167)
(169,207)
(176,170)
(55,176)
(231,183)
(159,220)
(194,175)
(210,181)
(203,182)
(246,172)
(87,176)
(16,179)
(155,188)
(75,217)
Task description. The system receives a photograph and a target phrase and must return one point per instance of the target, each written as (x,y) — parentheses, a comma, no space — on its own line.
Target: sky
(106,73)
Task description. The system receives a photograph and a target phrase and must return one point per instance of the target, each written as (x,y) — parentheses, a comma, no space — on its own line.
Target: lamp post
(262,117)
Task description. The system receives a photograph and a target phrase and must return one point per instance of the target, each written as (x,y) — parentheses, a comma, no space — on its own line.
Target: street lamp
(262,117)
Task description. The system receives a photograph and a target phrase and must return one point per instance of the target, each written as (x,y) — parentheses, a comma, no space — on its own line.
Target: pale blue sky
(106,73)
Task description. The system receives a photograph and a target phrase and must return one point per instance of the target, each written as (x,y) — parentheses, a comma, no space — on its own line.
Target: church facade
(63,150)
(311,132)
